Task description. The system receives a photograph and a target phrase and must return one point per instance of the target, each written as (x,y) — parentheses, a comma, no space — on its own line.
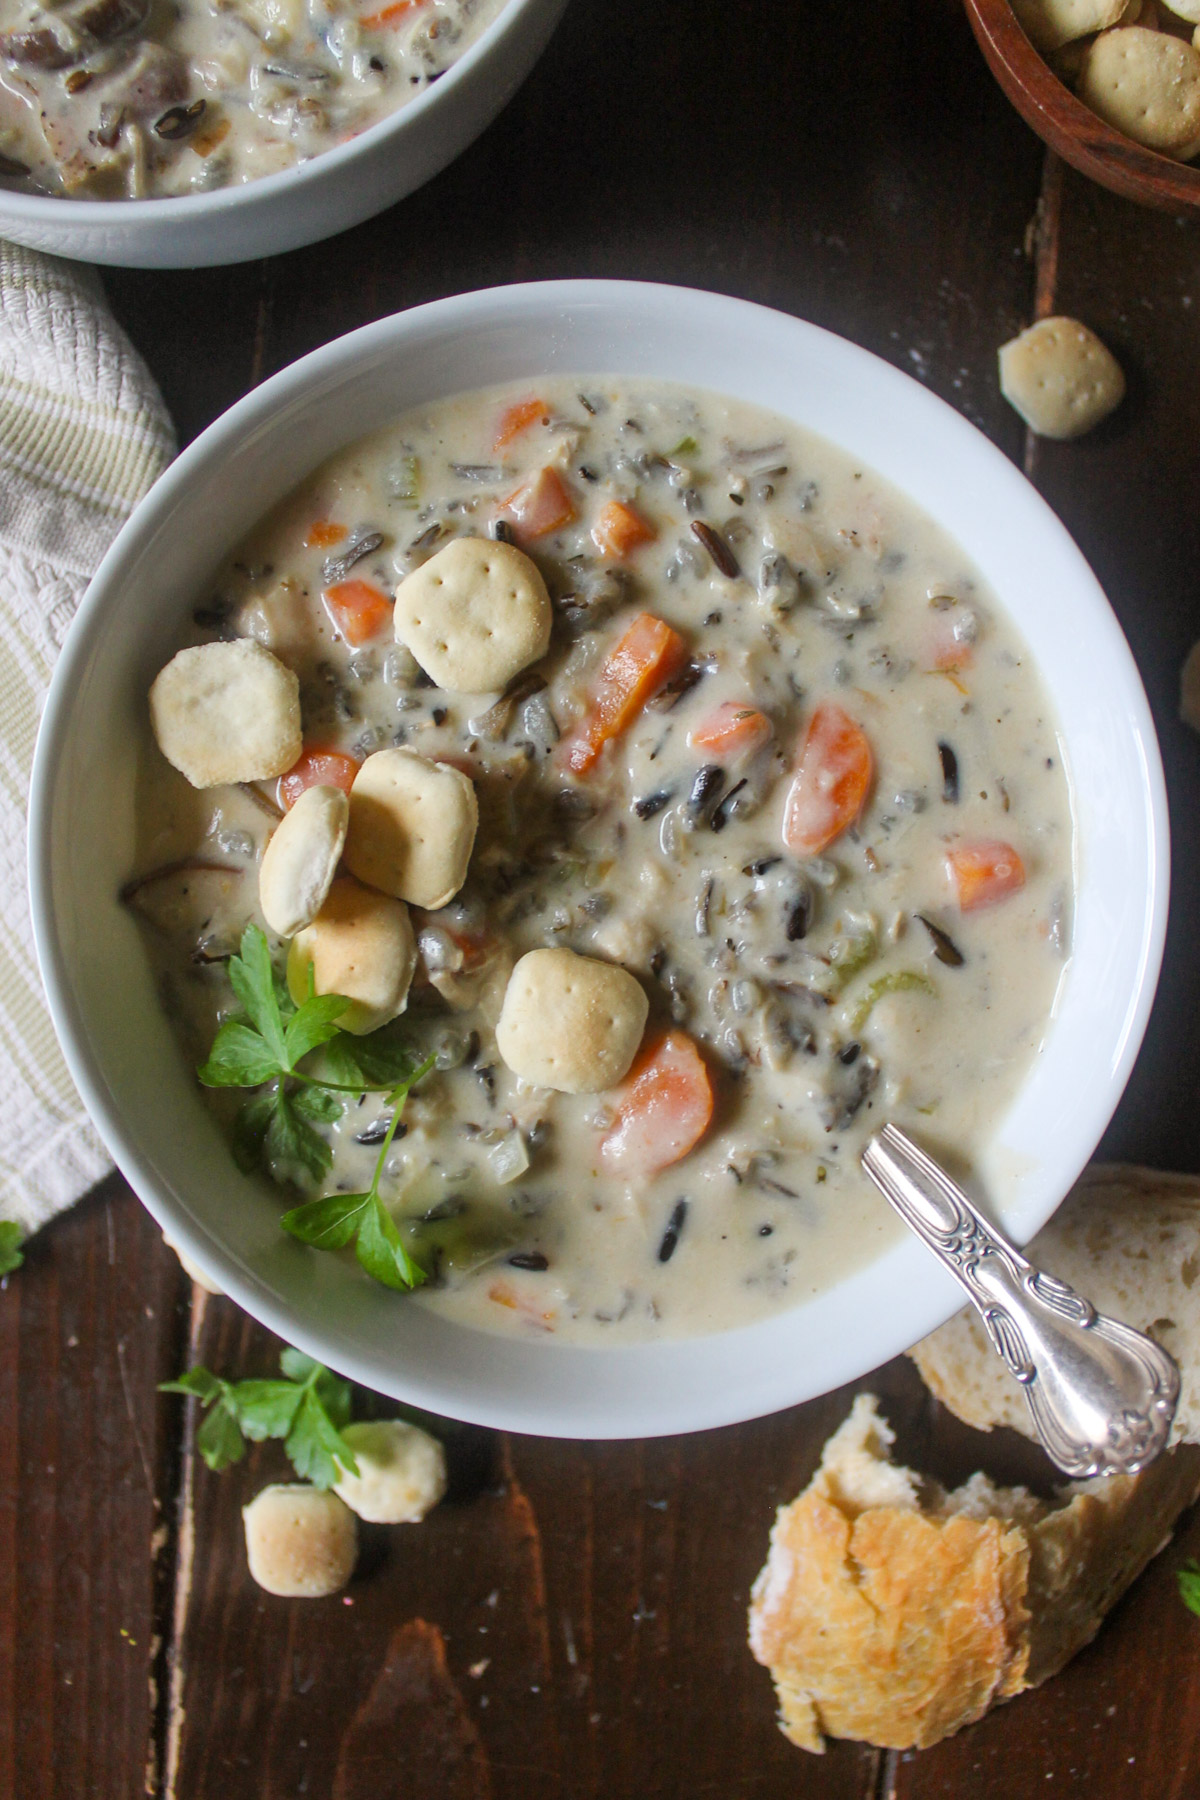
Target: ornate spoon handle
(1102,1395)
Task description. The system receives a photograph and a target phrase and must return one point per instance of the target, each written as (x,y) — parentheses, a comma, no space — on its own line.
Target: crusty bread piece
(891,1611)
(1129,1240)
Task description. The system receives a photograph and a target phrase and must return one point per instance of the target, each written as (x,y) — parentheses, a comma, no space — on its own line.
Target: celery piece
(898,981)
(404,481)
(850,955)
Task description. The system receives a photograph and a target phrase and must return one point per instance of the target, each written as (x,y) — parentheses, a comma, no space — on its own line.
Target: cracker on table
(1060,377)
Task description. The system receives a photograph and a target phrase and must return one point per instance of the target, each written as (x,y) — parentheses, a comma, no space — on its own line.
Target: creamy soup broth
(123,99)
(826,992)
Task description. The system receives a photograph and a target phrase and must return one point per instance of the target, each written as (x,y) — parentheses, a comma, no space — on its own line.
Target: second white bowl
(301,205)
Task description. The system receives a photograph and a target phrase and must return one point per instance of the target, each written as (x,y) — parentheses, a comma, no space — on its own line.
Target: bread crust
(898,1624)
(1129,1239)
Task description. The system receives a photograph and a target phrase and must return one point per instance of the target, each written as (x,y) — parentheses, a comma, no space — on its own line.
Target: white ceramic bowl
(120,1047)
(331,193)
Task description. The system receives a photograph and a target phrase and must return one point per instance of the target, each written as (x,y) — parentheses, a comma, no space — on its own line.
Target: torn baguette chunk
(1060,378)
(571,1022)
(301,1541)
(1050,23)
(474,615)
(893,1612)
(412,827)
(401,1472)
(1128,1238)
(227,712)
(1147,85)
(301,859)
(360,944)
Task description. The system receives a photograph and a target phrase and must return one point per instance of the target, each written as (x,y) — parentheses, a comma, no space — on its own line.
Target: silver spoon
(1102,1395)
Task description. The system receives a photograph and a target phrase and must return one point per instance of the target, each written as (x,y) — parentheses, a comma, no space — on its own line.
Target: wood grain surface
(571,1622)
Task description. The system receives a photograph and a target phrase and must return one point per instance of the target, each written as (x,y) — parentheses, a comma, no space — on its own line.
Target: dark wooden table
(571,1623)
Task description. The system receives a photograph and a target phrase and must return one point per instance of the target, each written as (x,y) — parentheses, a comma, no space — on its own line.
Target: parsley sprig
(307,1409)
(1189,1584)
(11,1238)
(264,1047)
(337,1220)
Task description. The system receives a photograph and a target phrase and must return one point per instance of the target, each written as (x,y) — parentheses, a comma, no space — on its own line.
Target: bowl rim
(50,210)
(1068,127)
(540,1407)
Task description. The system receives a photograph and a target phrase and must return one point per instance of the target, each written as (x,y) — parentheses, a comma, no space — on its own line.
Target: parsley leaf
(384,1059)
(252,977)
(293,1150)
(329,1223)
(335,1221)
(307,1409)
(219,1439)
(11,1237)
(315,1445)
(263,1048)
(1189,1584)
(381,1252)
(250,1131)
(312,1025)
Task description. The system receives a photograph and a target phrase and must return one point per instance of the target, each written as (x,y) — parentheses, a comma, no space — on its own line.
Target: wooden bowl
(1070,127)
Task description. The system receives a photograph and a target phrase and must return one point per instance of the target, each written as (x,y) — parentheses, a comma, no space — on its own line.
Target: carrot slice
(664,1108)
(731,732)
(389,15)
(620,530)
(984,872)
(518,418)
(540,505)
(358,610)
(830,787)
(324,533)
(646,656)
(316,767)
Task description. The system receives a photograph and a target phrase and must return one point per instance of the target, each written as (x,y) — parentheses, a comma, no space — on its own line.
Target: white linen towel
(83,434)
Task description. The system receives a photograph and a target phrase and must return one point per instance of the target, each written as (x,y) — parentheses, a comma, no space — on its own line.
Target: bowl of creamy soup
(577,760)
(175,133)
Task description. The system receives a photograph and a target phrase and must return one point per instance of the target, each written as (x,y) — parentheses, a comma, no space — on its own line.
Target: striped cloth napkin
(83,433)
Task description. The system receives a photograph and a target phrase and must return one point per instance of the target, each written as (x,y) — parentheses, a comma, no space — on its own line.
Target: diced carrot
(540,505)
(646,656)
(731,732)
(389,15)
(620,530)
(324,533)
(664,1108)
(359,610)
(829,789)
(949,654)
(504,1294)
(984,872)
(317,767)
(518,418)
